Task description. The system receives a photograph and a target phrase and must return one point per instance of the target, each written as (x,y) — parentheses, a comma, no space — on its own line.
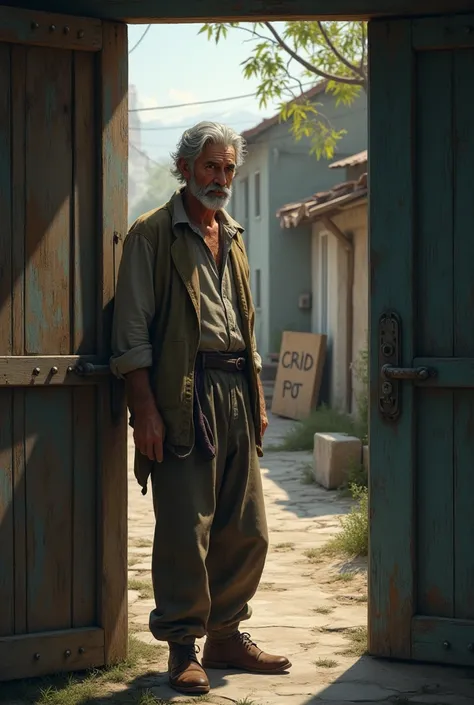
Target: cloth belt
(227,362)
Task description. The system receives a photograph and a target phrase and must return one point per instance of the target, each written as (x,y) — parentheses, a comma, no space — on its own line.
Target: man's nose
(220,177)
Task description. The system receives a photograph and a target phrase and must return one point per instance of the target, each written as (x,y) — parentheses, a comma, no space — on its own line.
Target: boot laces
(246,640)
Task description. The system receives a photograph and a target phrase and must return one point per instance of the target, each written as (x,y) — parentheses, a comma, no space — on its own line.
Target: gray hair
(196,138)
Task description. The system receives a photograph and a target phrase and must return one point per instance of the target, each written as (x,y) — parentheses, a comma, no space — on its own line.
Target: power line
(140,40)
(206,102)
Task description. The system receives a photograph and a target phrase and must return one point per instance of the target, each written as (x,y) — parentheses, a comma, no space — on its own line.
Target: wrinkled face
(210,181)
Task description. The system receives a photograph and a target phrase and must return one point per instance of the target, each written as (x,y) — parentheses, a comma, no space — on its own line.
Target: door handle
(407,373)
(391,373)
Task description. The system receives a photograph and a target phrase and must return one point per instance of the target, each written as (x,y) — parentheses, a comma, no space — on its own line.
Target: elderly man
(183,339)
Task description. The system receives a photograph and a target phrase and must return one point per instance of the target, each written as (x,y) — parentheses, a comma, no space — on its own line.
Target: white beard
(205,195)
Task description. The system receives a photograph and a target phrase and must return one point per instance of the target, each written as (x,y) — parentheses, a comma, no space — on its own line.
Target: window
(245,198)
(257,194)
(323,284)
(258,288)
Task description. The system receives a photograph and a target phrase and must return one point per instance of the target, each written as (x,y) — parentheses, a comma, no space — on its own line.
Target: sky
(173,64)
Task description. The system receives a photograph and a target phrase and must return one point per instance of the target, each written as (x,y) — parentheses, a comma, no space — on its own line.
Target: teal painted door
(421,603)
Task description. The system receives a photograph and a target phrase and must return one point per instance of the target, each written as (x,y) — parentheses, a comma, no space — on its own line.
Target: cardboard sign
(299,374)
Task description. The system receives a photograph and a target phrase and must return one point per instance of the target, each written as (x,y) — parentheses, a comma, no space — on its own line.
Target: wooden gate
(422,340)
(63,172)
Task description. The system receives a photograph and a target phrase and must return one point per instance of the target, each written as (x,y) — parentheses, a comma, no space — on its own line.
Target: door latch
(391,373)
(389,359)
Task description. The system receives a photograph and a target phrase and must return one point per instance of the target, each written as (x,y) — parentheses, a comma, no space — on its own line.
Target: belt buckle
(240,363)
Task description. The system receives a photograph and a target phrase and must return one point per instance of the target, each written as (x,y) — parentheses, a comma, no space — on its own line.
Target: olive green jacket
(175,332)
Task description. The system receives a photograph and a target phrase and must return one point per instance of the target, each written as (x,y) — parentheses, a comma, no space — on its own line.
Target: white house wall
(352,221)
(256,236)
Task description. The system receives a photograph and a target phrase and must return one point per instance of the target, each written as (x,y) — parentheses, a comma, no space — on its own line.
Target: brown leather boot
(239,652)
(186,675)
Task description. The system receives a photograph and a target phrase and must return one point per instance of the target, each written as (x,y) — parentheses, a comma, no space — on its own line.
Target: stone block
(365,457)
(333,456)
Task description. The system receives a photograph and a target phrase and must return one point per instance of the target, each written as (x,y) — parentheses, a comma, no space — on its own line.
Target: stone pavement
(305,610)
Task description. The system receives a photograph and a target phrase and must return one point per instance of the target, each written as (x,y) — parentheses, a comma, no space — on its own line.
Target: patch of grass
(246,701)
(322,420)
(307,475)
(134,560)
(271,587)
(358,639)
(357,476)
(141,543)
(323,610)
(283,547)
(353,539)
(343,577)
(73,692)
(325,663)
(144,587)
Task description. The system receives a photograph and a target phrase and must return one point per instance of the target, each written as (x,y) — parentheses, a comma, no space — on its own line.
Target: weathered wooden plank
(18,99)
(42,29)
(113,436)
(391,588)
(452,31)
(463,318)
(19,509)
(213,10)
(42,654)
(38,370)
(7,536)
(443,641)
(434,334)
(48,201)
(86,242)
(5,203)
(48,433)
(84,509)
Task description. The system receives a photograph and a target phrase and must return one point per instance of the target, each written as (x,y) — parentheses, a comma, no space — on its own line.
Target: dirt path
(314,612)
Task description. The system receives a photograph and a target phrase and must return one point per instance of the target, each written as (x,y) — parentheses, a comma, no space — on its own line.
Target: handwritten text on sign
(299,374)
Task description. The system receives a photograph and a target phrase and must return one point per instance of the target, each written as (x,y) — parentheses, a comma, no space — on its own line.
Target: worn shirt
(220,316)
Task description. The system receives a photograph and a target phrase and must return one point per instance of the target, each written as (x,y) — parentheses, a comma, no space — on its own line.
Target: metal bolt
(470,647)
(54,370)
(446,645)
(80,34)
(67,653)
(52,28)
(36,371)
(34,25)
(37,657)
(387,388)
(66,30)
(82,650)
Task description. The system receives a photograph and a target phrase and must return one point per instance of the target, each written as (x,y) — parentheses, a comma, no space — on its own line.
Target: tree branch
(310,67)
(336,52)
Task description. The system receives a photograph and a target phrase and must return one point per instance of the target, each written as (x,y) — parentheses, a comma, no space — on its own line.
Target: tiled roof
(293,214)
(249,135)
(353,160)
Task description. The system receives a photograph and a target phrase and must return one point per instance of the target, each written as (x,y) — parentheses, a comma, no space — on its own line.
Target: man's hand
(263,408)
(149,433)
(264,424)
(148,427)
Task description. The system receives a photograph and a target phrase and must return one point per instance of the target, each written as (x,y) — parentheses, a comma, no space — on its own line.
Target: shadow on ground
(367,681)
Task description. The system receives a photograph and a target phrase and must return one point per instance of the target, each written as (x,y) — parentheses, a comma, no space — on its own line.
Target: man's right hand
(149,433)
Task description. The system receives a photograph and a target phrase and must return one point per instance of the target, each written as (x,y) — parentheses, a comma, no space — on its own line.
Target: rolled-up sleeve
(134,307)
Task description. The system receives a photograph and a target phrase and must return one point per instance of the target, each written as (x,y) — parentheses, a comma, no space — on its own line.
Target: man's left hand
(264,424)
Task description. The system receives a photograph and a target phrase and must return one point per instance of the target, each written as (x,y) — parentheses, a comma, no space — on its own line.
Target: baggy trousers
(211,536)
